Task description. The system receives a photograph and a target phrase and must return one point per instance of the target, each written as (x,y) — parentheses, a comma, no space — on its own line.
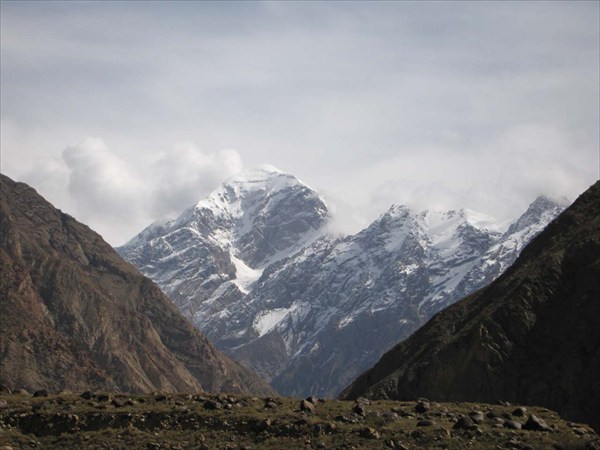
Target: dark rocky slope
(76,316)
(532,336)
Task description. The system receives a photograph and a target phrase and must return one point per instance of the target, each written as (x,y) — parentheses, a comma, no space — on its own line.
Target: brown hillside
(75,316)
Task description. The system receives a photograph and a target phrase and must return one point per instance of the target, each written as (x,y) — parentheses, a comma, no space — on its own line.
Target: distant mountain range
(75,316)
(253,267)
(532,336)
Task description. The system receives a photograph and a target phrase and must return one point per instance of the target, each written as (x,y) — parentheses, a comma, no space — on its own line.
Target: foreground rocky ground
(178,421)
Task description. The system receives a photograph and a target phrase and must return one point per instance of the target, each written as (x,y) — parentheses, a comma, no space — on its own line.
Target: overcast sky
(123,112)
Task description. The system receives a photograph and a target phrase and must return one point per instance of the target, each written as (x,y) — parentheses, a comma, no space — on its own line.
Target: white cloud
(184,175)
(117,197)
(427,103)
(500,178)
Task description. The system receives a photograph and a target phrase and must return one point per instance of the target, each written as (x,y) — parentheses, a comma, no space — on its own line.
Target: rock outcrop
(76,316)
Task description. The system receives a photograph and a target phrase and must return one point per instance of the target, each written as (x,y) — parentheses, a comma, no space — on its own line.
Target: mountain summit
(76,316)
(530,337)
(254,270)
(218,248)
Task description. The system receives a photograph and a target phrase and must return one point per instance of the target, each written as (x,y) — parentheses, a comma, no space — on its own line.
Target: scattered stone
(271,403)
(391,416)
(211,404)
(520,412)
(38,406)
(312,399)
(88,395)
(363,401)
(359,409)
(117,403)
(534,423)
(346,419)
(3,403)
(262,425)
(22,392)
(103,397)
(425,423)
(513,424)
(160,398)
(307,406)
(464,423)
(369,433)
(477,417)
(41,393)
(300,422)
(422,407)
(417,434)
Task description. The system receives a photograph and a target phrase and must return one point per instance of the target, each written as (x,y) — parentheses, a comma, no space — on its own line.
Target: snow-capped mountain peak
(252,268)
(539,211)
(260,180)
(224,241)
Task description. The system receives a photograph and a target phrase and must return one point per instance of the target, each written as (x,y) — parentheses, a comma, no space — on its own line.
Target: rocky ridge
(531,336)
(76,316)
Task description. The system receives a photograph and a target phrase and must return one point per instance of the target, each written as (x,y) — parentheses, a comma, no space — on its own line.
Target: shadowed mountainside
(76,316)
(531,337)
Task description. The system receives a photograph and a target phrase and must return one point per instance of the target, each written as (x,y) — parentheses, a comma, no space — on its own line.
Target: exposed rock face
(319,311)
(76,316)
(216,250)
(531,336)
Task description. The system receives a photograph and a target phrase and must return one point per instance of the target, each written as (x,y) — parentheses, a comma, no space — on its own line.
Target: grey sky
(123,112)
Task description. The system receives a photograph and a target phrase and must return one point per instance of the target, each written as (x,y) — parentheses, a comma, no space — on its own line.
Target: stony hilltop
(531,336)
(76,316)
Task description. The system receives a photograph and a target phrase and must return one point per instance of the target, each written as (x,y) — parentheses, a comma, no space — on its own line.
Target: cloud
(100,183)
(184,175)
(118,197)
(480,104)
(500,178)
(106,194)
